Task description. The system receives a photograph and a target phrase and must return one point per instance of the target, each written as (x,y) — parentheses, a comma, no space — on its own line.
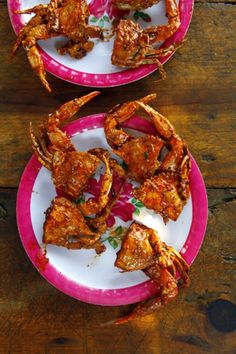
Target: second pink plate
(95,69)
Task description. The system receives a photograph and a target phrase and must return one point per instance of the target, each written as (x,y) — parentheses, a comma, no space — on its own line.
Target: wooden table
(199,99)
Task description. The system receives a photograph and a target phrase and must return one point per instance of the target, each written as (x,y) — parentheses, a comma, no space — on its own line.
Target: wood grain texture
(36,318)
(198,96)
(199,99)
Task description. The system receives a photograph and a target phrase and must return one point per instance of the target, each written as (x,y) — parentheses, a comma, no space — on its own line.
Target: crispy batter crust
(65,226)
(141,156)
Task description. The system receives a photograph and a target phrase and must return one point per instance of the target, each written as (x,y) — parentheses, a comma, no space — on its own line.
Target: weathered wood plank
(212,143)
(198,96)
(199,99)
(36,318)
(203,68)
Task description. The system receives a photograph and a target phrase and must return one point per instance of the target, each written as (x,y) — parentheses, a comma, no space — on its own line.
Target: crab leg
(184,170)
(168,292)
(103,203)
(36,10)
(99,223)
(33,22)
(134,4)
(160,33)
(160,52)
(43,156)
(174,157)
(182,267)
(40,9)
(34,57)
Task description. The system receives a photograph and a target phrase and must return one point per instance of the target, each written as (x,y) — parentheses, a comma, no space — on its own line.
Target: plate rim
(121,78)
(107,297)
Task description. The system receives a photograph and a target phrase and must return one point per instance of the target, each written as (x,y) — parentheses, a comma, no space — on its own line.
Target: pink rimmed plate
(95,69)
(81,273)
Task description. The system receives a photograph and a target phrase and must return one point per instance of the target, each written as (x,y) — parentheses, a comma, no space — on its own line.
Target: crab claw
(68,110)
(161,123)
(51,137)
(93,206)
(65,112)
(119,114)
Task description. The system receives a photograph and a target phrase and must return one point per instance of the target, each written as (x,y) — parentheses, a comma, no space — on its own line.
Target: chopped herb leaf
(80,200)
(87,217)
(139,204)
(119,231)
(101,23)
(124,165)
(145,17)
(137,211)
(106,18)
(113,242)
(136,15)
(93,19)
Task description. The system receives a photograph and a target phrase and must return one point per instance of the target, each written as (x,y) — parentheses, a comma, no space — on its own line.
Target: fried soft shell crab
(143,250)
(133,45)
(58,18)
(164,180)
